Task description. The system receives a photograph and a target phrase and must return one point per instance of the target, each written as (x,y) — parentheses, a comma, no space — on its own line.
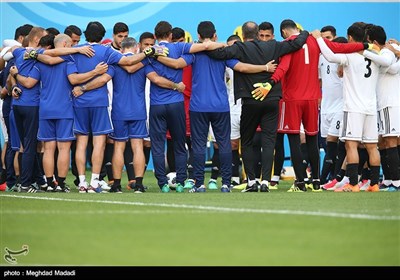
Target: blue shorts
(14,137)
(56,130)
(124,130)
(95,120)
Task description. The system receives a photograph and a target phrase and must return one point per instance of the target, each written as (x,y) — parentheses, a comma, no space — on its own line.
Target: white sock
(275,178)
(251,182)
(82,179)
(236,180)
(94,182)
(264,182)
(396,183)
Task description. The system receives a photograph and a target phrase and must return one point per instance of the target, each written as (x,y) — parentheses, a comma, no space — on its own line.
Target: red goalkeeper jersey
(298,71)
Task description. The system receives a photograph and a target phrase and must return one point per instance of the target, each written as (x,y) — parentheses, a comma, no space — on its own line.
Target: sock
(374,175)
(275,178)
(235,163)
(82,179)
(351,172)
(117,182)
(94,182)
(340,175)
(139,181)
(215,164)
(61,182)
(393,162)
(49,181)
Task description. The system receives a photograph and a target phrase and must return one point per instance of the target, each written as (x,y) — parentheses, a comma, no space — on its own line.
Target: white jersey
(388,88)
(332,87)
(235,109)
(360,77)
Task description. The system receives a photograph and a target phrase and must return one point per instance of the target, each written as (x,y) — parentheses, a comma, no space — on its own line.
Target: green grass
(211,229)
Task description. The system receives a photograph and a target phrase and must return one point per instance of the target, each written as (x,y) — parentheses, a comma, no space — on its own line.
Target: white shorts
(360,127)
(389,121)
(331,124)
(235,128)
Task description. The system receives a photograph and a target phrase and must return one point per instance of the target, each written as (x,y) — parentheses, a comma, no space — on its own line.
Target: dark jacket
(257,52)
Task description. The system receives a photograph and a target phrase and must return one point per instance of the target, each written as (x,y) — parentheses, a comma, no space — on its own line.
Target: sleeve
(289,46)
(231,63)
(111,70)
(148,69)
(113,56)
(189,58)
(394,68)
(35,73)
(329,55)
(225,53)
(384,59)
(344,47)
(282,68)
(71,68)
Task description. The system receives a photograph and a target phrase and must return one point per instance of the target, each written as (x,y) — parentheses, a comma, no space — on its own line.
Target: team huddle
(65,102)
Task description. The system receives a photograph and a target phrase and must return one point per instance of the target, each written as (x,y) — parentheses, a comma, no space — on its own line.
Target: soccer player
(266,31)
(129,111)
(209,105)
(254,112)
(300,100)
(178,35)
(91,113)
(26,112)
(360,76)
(74,32)
(388,98)
(167,108)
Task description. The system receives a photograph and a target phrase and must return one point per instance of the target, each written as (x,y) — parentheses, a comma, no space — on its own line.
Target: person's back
(301,80)
(161,95)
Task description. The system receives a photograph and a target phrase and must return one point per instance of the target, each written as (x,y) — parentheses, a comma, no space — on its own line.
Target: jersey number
(328,70)
(369,70)
(306,56)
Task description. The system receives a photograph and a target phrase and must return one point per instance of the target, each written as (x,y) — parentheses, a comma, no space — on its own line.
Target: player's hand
(30,54)
(13,70)
(77,91)
(261,91)
(16,92)
(160,50)
(86,50)
(181,87)
(101,68)
(374,48)
(3,93)
(316,33)
(271,66)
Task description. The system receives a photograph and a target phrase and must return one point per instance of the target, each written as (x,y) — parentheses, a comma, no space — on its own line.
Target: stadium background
(227,16)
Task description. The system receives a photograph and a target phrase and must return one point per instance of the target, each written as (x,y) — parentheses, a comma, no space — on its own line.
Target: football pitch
(202,229)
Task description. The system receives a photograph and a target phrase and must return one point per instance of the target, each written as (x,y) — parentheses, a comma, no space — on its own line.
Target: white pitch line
(219,209)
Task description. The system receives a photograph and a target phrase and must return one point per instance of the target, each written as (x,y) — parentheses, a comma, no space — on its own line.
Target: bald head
(62,41)
(249,30)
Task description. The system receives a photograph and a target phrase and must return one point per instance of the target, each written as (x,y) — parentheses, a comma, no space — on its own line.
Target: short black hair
(376,33)
(357,32)
(94,32)
(162,29)
(23,30)
(146,35)
(72,29)
(206,29)
(177,33)
(266,25)
(47,40)
(329,28)
(52,30)
(234,37)
(120,27)
(340,40)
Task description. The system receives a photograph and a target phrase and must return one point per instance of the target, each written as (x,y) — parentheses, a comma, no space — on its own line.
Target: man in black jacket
(257,112)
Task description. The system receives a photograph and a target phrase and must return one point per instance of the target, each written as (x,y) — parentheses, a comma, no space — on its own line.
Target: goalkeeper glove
(16,90)
(32,54)
(262,90)
(160,50)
